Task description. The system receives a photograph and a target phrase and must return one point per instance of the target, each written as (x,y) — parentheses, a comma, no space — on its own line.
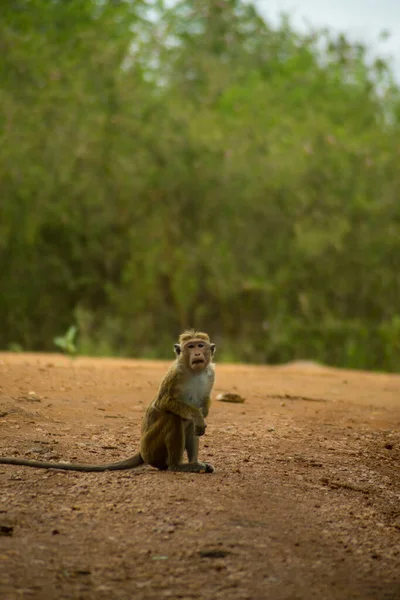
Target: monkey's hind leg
(190,442)
(192,448)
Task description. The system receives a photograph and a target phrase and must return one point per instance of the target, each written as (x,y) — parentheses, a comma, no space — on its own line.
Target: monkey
(174,420)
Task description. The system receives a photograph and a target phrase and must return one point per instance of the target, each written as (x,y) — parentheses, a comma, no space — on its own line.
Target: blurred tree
(163,166)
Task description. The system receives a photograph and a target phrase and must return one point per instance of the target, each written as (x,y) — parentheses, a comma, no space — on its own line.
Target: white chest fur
(198,387)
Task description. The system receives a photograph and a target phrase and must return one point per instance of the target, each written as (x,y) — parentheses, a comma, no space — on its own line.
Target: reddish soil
(304,503)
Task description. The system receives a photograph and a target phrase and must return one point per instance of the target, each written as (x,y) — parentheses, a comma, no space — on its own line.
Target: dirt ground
(304,503)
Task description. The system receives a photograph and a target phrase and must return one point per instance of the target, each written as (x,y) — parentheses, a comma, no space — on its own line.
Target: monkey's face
(196,354)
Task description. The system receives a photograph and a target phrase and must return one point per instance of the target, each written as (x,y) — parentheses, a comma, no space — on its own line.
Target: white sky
(363,20)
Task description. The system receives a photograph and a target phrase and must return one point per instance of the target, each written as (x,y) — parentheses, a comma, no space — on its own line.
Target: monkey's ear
(212,347)
(177,349)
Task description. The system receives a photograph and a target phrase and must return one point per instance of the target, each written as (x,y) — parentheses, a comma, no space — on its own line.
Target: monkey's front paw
(207,468)
(200,429)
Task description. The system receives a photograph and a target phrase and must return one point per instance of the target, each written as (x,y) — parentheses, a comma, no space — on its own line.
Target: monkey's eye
(190,345)
(200,345)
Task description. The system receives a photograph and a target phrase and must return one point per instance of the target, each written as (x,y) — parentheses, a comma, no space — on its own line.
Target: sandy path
(305,501)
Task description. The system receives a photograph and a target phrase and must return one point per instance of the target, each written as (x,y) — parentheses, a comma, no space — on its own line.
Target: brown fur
(175,418)
(191,334)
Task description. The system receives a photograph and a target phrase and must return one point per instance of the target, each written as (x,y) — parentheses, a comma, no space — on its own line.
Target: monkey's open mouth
(197,361)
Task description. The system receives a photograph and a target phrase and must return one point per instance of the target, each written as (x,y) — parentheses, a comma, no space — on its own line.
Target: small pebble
(230,397)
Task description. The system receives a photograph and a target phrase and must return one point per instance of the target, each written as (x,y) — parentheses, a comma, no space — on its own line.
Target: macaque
(174,420)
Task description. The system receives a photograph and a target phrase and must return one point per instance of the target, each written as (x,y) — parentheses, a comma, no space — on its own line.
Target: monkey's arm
(168,403)
(206,406)
(206,403)
(169,399)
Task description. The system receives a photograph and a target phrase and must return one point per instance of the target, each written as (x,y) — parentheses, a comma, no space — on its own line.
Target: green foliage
(190,165)
(67,342)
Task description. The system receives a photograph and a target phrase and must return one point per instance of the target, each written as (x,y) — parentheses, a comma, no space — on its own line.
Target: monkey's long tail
(129,463)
